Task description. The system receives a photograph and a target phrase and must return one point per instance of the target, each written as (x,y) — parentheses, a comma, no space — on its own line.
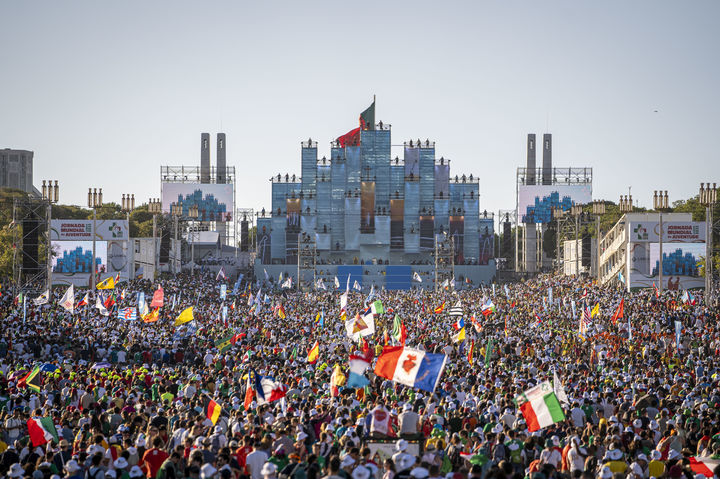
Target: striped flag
(540,407)
(128,313)
(456,310)
(704,465)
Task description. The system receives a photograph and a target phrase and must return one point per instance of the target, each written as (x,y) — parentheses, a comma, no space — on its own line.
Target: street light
(598,209)
(51,194)
(660,203)
(94,202)
(155,207)
(626,204)
(708,198)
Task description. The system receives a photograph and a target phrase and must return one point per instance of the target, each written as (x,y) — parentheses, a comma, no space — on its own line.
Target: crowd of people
(89,395)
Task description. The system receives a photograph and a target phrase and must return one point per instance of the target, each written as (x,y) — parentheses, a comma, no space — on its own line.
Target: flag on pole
(158,298)
(411,367)
(107,283)
(619,312)
(356,286)
(358,365)
(440,308)
(185,317)
(456,310)
(540,407)
(101,307)
(152,316)
(287,284)
(68,299)
(128,313)
(313,353)
(559,390)
(657,291)
(221,274)
(32,380)
(488,352)
(211,409)
(487,307)
(460,336)
(42,299)
(416,277)
(471,349)
(85,301)
(337,282)
(595,311)
(41,430)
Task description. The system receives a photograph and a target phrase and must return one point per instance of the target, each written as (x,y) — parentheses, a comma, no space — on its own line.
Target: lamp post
(94,202)
(626,204)
(660,203)
(51,194)
(127,205)
(576,211)
(708,198)
(155,207)
(176,212)
(598,209)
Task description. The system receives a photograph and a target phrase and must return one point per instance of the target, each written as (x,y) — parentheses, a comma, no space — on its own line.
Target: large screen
(74,257)
(679,259)
(535,202)
(214,201)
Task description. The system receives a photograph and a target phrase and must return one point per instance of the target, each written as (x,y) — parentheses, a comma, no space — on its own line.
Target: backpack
(94,474)
(296,471)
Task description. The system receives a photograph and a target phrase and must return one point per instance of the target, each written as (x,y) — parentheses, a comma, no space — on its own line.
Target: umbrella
(101,365)
(48,368)
(17,374)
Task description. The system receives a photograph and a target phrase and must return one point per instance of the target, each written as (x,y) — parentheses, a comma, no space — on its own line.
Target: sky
(105,93)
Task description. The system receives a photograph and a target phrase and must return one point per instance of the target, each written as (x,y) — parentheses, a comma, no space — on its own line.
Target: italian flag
(41,430)
(540,407)
(704,465)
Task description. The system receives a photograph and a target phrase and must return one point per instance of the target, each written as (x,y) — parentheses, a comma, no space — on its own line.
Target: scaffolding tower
(444,259)
(307,261)
(31,220)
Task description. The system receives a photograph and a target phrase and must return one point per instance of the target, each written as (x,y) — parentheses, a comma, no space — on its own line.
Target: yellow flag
(460,336)
(595,310)
(151,317)
(108,283)
(185,317)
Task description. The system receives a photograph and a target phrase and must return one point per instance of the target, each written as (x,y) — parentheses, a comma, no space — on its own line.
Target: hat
(16,470)
(404,461)
(673,454)
(407,407)
(72,466)
(347,461)
(301,436)
(419,473)
(207,470)
(401,445)
(642,457)
(268,469)
(606,473)
(120,463)
(361,472)
(111,473)
(655,455)
(135,471)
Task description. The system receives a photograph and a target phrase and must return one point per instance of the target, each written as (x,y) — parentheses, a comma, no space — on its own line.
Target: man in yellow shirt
(615,462)
(656,468)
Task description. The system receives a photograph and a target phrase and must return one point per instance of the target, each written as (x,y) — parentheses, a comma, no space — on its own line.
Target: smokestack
(221,162)
(530,170)
(547,159)
(205,158)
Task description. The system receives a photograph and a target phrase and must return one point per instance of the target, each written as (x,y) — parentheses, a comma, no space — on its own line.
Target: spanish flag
(108,283)
(440,308)
(471,350)
(314,353)
(212,409)
(281,312)
(185,317)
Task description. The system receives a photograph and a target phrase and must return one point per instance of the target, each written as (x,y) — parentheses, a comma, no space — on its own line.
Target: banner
(82,230)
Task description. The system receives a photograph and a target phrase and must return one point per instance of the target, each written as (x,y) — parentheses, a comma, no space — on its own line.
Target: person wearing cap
(16,470)
(656,468)
(614,460)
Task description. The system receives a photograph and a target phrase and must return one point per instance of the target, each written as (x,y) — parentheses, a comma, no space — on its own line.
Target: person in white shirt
(254,462)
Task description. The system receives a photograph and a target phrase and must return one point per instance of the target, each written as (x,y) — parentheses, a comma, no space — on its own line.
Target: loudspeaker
(506,239)
(586,255)
(30,244)
(244,245)
(164,256)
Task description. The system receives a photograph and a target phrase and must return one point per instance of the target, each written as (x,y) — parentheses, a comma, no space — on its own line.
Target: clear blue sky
(107,92)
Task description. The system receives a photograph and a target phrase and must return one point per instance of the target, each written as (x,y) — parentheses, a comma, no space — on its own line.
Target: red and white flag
(704,465)
(158,298)
(84,301)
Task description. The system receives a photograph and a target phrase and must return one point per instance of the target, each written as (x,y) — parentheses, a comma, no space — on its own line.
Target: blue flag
(237,285)
(223,291)
(128,313)
(141,301)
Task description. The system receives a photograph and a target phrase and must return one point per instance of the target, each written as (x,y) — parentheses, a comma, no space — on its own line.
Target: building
(630,252)
(365,214)
(16,170)
(145,257)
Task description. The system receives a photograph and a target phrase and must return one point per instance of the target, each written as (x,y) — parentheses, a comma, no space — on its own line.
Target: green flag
(396,331)
(224,344)
(367,118)
(377,307)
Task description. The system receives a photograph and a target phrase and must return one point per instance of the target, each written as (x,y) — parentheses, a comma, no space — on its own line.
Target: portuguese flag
(41,430)
(212,409)
(540,406)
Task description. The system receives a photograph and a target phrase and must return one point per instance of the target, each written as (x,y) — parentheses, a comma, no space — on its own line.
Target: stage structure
(374,217)
(31,217)
(539,192)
